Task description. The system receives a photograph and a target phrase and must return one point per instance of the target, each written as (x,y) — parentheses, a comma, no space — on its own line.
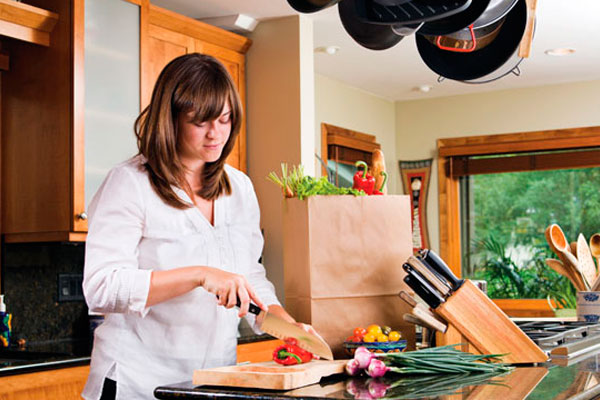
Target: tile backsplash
(30,284)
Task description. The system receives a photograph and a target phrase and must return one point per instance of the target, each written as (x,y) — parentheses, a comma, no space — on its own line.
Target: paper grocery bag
(345,245)
(348,249)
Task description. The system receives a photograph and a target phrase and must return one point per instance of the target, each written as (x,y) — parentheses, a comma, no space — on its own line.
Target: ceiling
(395,73)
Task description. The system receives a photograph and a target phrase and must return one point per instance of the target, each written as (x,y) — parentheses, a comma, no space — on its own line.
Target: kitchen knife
(418,308)
(438,265)
(428,273)
(282,329)
(421,292)
(423,283)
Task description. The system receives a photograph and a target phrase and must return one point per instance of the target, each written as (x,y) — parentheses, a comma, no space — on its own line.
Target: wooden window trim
(448,189)
(335,135)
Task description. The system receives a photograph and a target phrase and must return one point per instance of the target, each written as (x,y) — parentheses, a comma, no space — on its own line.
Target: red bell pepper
(290,354)
(362,180)
(380,190)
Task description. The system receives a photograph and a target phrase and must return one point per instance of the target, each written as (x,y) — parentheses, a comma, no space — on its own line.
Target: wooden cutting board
(269,374)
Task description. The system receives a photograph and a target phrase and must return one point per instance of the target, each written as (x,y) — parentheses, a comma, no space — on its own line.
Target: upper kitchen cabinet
(68,109)
(170,35)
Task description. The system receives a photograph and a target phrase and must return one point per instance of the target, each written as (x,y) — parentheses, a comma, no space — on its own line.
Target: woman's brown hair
(197,84)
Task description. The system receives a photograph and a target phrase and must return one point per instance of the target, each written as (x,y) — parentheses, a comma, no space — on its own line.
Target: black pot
(412,12)
(456,22)
(371,36)
(311,6)
(478,64)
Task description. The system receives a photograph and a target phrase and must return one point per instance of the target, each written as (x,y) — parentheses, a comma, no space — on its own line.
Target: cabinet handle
(82,216)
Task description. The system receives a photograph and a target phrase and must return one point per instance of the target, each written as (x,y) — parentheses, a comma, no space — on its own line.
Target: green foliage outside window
(506,215)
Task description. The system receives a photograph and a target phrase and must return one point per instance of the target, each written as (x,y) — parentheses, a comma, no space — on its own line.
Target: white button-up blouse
(132,232)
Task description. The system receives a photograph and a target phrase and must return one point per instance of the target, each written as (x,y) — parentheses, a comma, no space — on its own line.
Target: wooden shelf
(25,22)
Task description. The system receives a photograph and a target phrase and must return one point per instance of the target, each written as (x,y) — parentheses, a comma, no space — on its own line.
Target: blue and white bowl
(588,306)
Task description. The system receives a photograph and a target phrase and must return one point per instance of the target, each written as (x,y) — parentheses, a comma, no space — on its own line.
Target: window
(340,149)
(497,192)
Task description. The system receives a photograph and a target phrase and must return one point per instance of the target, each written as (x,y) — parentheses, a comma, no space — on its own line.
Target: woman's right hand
(228,287)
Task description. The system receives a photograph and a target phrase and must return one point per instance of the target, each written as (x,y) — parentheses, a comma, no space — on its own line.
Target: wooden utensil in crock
(560,245)
(595,247)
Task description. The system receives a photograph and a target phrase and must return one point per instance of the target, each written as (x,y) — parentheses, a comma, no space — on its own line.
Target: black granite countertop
(53,354)
(39,356)
(574,380)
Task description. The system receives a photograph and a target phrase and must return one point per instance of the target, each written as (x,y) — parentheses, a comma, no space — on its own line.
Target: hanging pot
(412,12)
(469,39)
(311,6)
(456,22)
(478,64)
(371,36)
(476,35)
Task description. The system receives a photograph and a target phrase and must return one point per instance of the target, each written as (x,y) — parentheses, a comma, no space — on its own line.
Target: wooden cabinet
(44,109)
(58,384)
(169,35)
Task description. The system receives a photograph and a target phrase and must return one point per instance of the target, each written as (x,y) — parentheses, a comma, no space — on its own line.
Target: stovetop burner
(549,335)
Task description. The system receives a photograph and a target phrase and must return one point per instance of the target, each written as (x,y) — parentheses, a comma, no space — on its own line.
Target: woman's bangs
(207,100)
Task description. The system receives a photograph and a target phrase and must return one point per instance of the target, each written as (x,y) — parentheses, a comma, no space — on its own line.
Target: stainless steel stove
(562,339)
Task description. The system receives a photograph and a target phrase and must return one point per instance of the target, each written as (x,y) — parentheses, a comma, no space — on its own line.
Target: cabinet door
(163,46)
(234,62)
(112,87)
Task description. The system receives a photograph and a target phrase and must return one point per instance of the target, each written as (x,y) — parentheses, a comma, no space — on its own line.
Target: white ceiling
(395,73)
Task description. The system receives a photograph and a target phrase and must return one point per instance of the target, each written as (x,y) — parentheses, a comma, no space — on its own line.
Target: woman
(174,240)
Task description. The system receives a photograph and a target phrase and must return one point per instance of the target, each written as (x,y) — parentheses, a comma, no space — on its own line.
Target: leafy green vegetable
(295,184)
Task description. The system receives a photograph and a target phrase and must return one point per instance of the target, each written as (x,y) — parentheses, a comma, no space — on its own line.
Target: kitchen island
(575,379)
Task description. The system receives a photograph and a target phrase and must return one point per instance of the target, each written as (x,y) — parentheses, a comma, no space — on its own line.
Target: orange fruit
(374,329)
(382,338)
(369,338)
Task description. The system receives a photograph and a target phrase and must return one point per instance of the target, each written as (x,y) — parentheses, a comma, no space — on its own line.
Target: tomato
(382,338)
(374,329)
(360,332)
(394,336)
(369,338)
(357,339)
(349,339)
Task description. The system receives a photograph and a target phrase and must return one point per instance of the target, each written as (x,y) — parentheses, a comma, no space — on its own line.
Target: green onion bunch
(443,360)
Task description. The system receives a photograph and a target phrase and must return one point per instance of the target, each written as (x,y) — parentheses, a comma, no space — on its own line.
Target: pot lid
(496,10)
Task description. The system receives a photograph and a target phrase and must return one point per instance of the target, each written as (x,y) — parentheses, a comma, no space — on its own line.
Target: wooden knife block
(475,320)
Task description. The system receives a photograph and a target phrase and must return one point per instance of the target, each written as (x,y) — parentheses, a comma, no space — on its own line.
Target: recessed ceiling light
(561,51)
(331,50)
(423,88)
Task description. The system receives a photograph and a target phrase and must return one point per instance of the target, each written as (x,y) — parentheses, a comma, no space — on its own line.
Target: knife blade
(438,265)
(282,329)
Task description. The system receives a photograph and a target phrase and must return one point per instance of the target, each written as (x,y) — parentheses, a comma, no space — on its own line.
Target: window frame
(448,190)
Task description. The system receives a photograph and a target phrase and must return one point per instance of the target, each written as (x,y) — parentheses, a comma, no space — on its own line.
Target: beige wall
(280,119)
(420,123)
(339,104)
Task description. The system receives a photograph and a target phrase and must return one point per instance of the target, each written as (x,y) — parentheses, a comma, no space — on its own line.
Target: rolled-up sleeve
(113,281)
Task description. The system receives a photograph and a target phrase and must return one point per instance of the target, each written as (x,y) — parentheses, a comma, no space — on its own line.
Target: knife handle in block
(487,327)
(427,317)
(422,312)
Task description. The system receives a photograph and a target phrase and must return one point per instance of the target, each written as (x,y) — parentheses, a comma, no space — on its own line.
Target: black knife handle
(421,292)
(253,308)
(438,265)
(424,285)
